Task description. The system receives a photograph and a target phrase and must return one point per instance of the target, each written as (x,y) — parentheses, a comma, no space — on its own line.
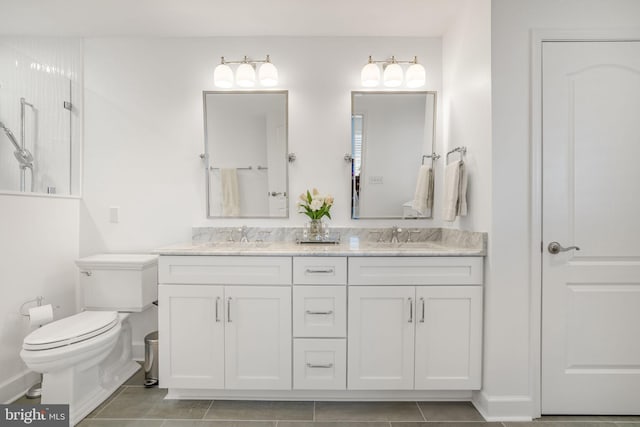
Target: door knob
(555,248)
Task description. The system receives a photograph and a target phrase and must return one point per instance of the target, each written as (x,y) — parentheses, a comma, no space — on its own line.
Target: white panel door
(591,199)
(258,337)
(191,352)
(381,337)
(448,337)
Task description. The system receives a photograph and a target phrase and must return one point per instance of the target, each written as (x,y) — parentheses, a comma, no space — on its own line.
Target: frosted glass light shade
(370,75)
(268,74)
(415,76)
(393,75)
(223,76)
(245,75)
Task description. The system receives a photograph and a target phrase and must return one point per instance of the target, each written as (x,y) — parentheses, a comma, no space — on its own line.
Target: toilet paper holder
(38,300)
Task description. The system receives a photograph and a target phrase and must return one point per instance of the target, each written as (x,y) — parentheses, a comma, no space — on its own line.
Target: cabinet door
(448,337)
(381,337)
(191,353)
(258,337)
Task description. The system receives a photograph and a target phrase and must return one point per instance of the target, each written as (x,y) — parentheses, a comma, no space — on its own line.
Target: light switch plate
(114,214)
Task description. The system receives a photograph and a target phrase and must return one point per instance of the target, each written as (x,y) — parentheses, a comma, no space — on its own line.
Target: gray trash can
(151,359)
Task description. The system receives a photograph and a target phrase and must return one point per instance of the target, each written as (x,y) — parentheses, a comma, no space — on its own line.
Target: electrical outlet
(376,179)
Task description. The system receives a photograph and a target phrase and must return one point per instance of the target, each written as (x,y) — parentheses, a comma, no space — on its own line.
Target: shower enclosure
(40,115)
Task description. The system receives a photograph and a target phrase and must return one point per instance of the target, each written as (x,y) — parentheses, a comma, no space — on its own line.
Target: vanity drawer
(224,270)
(415,271)
(319,364)
(319,311)
(320,270)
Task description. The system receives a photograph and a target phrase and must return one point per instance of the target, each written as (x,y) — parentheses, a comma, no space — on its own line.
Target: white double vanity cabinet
(297,322)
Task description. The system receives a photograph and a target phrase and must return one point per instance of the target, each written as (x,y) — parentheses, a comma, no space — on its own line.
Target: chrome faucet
(244,234)
(394,233)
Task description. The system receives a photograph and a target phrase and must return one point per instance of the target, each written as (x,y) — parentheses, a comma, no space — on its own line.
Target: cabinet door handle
(217,304)
(229,309)
(422,315)
(326,365)
(319,270)
(320,312)
(410,310)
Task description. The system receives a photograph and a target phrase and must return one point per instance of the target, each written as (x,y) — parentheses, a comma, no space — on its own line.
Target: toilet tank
(120,282)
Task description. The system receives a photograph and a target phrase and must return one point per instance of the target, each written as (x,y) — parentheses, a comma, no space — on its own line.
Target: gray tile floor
(136,406)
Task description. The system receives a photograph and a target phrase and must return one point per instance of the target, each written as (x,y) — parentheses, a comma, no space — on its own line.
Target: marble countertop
(441,242)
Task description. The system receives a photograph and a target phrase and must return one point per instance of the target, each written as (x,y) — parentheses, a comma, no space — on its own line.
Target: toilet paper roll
(41,315)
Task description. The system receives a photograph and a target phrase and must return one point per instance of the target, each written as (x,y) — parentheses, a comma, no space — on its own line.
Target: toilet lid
(72,329)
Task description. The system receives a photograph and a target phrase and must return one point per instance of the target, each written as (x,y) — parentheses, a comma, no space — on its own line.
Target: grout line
(421,413)
(208,409)
(110,400)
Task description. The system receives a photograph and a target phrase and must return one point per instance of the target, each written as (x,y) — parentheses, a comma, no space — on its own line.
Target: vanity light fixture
(246,73)
(393,75)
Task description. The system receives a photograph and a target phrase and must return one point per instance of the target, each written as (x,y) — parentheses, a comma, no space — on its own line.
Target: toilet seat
(71,330)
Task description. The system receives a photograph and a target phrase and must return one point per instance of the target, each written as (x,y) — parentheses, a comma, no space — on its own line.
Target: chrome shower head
(24,157)
(10,136)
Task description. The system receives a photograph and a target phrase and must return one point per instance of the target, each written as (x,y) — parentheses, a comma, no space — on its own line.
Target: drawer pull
(313,365)
(217,304)
(229,309)
(423,304)
(319,270)
(410,310)
(320,312)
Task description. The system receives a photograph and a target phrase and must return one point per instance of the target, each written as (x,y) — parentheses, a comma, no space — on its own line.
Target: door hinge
(67,105)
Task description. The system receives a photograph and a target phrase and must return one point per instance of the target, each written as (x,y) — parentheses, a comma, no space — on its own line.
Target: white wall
(466,106)
(38,247)
(508,382)
(144,131)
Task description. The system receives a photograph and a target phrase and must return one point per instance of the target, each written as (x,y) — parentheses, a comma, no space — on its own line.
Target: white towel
(423,196)
(230,194)
(455,191)
(462,191)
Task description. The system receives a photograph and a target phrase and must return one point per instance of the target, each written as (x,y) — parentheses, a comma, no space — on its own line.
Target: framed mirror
(246,154)
(392,137)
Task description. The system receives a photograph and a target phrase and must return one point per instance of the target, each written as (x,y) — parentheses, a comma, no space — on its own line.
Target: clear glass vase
(316,229)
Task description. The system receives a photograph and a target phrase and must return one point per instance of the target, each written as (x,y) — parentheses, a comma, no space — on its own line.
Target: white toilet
(84,358)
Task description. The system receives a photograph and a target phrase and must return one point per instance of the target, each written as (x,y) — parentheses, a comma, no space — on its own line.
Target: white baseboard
(306,395)
(503,408)
(16,386)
